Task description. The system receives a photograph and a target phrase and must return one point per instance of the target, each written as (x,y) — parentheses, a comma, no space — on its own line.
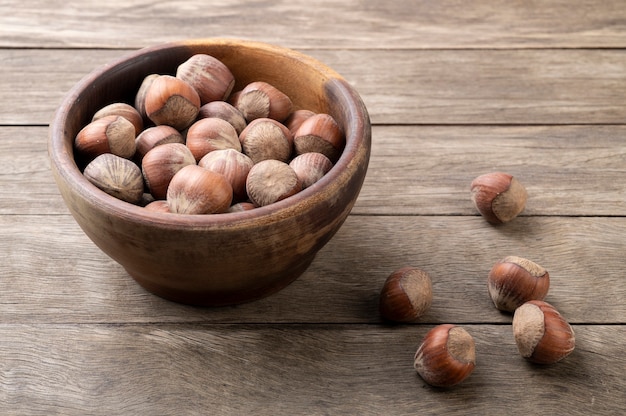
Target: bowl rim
(66,167)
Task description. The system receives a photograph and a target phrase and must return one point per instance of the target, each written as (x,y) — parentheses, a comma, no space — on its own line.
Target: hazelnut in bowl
(225,255)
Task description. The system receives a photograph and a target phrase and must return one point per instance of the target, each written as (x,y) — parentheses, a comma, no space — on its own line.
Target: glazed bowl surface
(215,259)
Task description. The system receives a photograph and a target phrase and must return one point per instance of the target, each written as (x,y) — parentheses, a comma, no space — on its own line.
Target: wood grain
(529,87)
(454,90)
(414,170)
(53,273)
(427,170)
(292,369)
(328,24)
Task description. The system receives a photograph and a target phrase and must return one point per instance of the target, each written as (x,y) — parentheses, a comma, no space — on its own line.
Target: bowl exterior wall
(223,258)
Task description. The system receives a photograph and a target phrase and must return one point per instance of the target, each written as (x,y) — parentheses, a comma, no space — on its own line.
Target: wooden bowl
(216,259)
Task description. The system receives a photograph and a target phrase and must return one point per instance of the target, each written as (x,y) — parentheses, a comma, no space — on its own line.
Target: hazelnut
(265,138)
(171,101)
(122,109)
(195,190)
(406,295)
(310,167)
(117,176)
(209,134)
(158,206)
(296,118)
(446,357)
(109,134)
(319,133)
(155,136)
(498,196)
(160,165)
(233,165)
(515,280)
(241,206)
(270,181)
(140,97)
(262,100)
(233,98)
(208,76)
(146,198)
(542,335)
(225,111)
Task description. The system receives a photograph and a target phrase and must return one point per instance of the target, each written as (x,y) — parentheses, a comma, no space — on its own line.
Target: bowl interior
(309,83)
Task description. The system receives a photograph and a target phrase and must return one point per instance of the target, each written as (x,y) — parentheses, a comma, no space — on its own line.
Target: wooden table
(454,89)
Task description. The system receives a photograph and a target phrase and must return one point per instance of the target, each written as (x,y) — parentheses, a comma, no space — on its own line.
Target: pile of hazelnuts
(190,145)
(447,354)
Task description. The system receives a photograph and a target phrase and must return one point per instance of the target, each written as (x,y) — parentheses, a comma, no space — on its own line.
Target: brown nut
(296,118)
(225,111)
(515,280)
(146,198)
(233,98)
(319,133)
(406,295)
(158,206)
(195,190)
(542,335)
(233,165)
(209,134)
(262,100)
(270,181)
(498,197)
(117,176)
(241,206)
(171,101)
(265,138)
(310,167)
(155,136)
(109,134)
(208,76)
(140,97)
(121,109)
(446,357)
(160,165)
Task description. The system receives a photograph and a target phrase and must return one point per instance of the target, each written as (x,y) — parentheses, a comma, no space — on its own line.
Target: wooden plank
(398,86)
(263,370)
(298,23)
(414,170)
(427,170)
(53,273)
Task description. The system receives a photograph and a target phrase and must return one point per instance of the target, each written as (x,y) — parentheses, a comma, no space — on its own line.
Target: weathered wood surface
(519,87)
(329,24)
(53,273)
(414,170)
(454,90)
(292,369)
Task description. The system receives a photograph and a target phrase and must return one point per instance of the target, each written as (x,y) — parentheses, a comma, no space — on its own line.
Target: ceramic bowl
(216,259)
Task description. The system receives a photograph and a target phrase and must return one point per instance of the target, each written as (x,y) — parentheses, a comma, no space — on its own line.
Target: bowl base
(214,298)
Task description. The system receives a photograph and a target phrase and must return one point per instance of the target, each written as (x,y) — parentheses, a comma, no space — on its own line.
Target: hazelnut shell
(541,333)
(406,295)
(109,134)
(160,165)
(195,190)
(270,181)
(171,101)
(515,280)
(310,167)
(498,197)
(446,357)
(262,100)
(208,76)
(117,176)
(319,133)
